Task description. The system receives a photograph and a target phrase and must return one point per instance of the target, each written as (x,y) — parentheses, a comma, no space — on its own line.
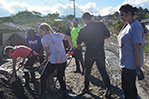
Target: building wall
(5,36)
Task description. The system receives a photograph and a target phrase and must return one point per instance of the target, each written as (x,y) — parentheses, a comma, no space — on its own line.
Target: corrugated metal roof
(19,27)
(5,27)
(145,20)
(12,26)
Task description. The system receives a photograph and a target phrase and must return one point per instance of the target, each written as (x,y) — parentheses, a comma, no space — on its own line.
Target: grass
(146,50)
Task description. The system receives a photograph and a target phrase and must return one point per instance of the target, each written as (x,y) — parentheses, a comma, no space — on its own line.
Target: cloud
(89,7)
(8,8)
(138,3)
(93,9)
(107,10)
(14,7)
(4,11)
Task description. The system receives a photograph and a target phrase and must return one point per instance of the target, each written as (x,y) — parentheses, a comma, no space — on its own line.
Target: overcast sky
(65,7)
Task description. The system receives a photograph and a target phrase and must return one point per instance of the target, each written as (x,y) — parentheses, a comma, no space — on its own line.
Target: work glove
(139,73)
(70,52)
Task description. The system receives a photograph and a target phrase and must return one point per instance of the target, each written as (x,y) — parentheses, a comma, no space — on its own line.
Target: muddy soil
(14,89)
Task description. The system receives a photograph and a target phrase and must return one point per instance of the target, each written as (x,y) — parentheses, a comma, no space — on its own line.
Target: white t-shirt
(55,43)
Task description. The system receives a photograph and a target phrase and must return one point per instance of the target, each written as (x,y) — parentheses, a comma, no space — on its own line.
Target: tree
(69,18)
(118,24)
(147,15)
(26,17)
(141,14)
(36,13)
(6,19)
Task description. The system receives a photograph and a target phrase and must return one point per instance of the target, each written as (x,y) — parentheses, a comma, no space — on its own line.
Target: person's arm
(22,63)
(137,41)
(41,49)
(139,72)
(68,38)
(47,49)
(106,31)
(14,67)
(26,42)
(79,39)
(137,48)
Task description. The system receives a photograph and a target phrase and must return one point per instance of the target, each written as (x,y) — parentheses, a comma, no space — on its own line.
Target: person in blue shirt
(131,47)
(34,41)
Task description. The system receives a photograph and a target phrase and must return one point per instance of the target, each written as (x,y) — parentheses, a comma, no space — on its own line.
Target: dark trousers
(78,59)
(129,83)
(100,62)
(29,63)
(50,68)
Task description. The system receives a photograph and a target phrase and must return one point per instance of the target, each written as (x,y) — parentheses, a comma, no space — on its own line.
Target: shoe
(108,93)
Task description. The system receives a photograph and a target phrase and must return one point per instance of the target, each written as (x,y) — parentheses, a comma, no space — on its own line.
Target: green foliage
(26,17)
(141,14)
(147,15)
(69,17)
(34,18)
(6,19)
(36,13)
(52,17)
(118,24)
(146,49)
(113,21)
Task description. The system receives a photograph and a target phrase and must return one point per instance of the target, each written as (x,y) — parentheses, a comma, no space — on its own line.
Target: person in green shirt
(77,51)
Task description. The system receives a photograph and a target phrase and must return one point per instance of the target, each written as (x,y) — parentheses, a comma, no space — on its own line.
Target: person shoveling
(54,48)
(40,69)
(26,53)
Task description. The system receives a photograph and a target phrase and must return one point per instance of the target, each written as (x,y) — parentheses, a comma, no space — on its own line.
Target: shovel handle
(11,75)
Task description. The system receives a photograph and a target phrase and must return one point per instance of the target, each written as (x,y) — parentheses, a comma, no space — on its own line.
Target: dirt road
(74,81)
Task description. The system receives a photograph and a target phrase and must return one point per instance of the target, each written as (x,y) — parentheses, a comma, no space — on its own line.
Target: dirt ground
(74,81)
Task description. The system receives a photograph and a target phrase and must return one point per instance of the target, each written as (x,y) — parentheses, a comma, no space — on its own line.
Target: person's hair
(75,20)
(46,26)
(128,8)
(7,48)
(87,15)
(31,31)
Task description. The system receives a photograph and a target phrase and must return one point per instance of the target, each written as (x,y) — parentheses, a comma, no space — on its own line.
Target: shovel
(11,75)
